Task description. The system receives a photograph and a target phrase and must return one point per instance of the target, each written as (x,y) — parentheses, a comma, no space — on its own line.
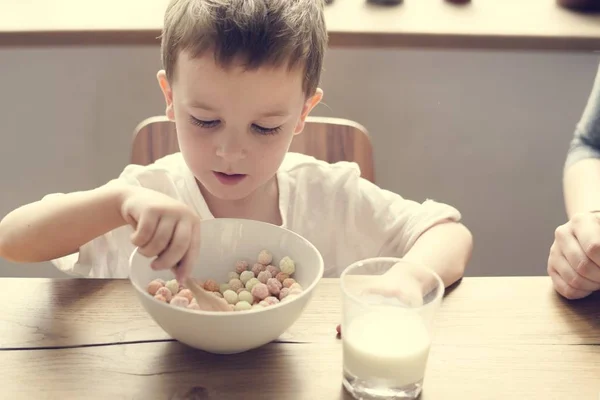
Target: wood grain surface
(496,338)
(40,313)
(291,372)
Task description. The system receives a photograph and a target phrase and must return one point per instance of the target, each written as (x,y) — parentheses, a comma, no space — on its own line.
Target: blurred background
(485,130)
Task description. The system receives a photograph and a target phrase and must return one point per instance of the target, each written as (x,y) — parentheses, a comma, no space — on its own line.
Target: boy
(240,79)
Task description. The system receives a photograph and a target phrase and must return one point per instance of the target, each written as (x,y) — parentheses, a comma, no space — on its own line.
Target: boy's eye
(213,123)
(204,124)
(266,131)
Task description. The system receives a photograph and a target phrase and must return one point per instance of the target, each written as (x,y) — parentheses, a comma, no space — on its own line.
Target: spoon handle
(203,297)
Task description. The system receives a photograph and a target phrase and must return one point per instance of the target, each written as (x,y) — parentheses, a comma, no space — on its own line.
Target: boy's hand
(573,263)
(164,227)
(406,287)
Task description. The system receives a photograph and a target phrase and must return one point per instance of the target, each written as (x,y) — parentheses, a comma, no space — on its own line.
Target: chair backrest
(327,139)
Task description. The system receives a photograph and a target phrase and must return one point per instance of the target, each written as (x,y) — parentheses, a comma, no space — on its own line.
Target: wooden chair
(327,139)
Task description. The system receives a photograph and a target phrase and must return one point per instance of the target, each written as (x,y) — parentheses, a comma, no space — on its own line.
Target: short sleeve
(586,139)
(106,256)
(347,217)
(387,223)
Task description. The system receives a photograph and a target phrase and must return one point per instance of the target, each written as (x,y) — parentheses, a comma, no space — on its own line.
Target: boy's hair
(255,32)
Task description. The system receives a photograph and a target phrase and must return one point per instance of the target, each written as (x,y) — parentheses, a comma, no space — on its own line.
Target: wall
(484,131)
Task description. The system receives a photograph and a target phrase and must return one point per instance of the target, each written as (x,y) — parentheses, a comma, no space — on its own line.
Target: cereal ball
(173,286)
(232,275)
(242,306)
(265,257)
(273,270)
(164,292)
(180,301)
(288,282)
(224,287)
(295,292)
(260,291)
(263,304)
(287,265)
(187,293)
(256,306)
(245,296)
(264,276)
(251,283)
(283,293)
(295,285)
(230,296)
(218,294)
(160,297)
(246,276)
(274,286)
(193,306)
(282,276)
(153,287)
(211,285)
(257,269)
(271,300)
(241,266)
(235,285)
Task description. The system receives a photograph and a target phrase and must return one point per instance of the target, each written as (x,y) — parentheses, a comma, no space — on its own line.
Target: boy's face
(234,127)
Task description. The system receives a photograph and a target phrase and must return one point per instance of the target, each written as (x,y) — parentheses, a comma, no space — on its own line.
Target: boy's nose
(231,151)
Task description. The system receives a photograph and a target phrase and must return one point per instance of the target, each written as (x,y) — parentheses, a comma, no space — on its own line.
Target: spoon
(204,298)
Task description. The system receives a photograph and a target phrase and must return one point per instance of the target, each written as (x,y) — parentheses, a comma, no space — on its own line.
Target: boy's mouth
(228,178)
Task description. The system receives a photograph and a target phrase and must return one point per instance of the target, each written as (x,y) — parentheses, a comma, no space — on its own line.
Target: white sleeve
(384,222)
(106,256)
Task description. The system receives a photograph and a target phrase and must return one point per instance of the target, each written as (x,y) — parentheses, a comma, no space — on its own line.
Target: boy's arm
(59,226)
(446,248)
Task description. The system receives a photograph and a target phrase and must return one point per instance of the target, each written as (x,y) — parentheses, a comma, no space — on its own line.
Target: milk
(387,345)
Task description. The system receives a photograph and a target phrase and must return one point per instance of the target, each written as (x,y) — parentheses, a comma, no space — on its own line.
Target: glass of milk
(388,312)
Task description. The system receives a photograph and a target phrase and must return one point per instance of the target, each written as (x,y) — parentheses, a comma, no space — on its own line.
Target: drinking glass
(388,313)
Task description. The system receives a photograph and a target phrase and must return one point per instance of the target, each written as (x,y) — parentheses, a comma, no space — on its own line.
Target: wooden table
(501,24)
(497,338)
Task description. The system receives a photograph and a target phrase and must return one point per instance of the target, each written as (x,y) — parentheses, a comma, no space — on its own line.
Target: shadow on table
(581,316)
(65,292)
(40,313)
(451,288)
(190,374)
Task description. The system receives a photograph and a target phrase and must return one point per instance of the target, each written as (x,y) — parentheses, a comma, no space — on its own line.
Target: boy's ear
(165,86)
(309,104)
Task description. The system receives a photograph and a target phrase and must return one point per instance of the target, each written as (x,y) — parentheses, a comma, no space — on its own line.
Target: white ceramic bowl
(223,242)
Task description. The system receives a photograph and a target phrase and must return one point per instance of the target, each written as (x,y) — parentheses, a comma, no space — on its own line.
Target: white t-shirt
(345,216)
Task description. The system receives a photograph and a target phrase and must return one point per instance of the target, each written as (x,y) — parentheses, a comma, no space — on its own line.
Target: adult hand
(573,263)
